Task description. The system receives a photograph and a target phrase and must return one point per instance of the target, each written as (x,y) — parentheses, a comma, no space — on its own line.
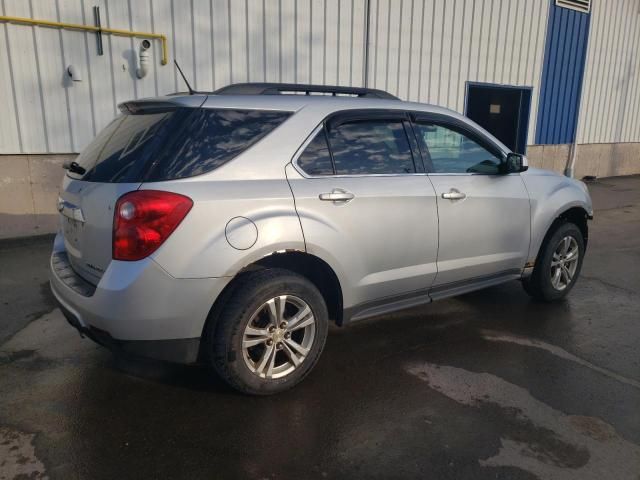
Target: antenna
(191,90)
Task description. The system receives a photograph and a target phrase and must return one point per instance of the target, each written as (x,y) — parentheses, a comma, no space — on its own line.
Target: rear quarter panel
(199,247)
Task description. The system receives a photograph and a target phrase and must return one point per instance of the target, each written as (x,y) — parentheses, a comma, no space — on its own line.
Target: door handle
(454,194)
(337,195)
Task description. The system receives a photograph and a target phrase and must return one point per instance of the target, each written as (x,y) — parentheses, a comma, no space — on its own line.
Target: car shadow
(506,308)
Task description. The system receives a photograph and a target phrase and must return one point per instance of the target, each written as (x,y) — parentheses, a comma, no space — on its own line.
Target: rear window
(174,144)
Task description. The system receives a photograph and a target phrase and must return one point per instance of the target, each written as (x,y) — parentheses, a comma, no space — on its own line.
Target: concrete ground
(487,385)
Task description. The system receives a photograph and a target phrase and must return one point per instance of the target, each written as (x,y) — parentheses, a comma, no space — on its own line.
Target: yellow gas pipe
(90,28)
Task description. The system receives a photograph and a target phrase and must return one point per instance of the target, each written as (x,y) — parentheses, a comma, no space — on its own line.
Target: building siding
(426,51)
(216,42)
(420,50)
(610,108)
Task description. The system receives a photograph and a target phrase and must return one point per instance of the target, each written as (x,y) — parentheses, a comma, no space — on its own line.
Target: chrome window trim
(412,113)
(310,138)
(460,174)
(468,132)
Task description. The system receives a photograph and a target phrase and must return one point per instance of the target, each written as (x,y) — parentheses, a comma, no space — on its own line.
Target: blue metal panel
(562,75)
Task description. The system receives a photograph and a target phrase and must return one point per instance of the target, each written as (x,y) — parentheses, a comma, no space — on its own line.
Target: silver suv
(230,228)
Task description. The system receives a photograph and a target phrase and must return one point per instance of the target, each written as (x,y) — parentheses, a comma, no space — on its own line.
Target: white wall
(216,42)
(610,109)
(426,51)
(421,50)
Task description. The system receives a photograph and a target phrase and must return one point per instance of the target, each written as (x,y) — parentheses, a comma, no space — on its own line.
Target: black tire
(539,284)
(223,343)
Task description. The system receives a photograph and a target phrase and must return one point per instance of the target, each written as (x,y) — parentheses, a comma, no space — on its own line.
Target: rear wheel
(558,265)
(270,332)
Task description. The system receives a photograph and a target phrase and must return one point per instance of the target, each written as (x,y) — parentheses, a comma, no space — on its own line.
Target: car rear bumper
(137,307)
(184,351)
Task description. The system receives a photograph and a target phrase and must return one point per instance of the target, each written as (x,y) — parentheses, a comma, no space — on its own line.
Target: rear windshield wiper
(74,167)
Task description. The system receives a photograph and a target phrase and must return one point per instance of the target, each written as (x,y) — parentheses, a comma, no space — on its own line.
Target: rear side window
(210,138)
(316,159)
(179,143)
(371,147)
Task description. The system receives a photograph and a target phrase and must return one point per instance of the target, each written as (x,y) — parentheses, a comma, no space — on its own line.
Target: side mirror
(516,163)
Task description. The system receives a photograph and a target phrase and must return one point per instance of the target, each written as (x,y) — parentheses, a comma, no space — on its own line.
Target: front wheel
(558,265)
(270,332)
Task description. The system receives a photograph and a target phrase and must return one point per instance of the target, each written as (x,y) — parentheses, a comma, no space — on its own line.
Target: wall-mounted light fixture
(74,73)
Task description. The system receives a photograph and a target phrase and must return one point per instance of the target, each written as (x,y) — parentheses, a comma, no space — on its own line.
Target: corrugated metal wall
(562,75)
(422,50)
(419,49)
(426,51)
(610,109)
(217,42)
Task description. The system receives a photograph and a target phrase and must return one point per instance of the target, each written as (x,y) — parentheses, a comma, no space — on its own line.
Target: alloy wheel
(278,337)
(564,263)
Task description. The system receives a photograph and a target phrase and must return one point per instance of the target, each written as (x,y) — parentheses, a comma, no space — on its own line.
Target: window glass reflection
(173,144)
(454,152)
(316,160)
(371,147)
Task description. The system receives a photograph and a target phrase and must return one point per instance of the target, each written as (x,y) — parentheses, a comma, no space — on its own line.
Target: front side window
(371,147)
(451,151)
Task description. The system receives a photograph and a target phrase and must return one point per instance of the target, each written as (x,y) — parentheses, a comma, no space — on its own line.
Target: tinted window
(371,147)
(210,138)
(123,146)
(179,143)
(316,160)
(453,152)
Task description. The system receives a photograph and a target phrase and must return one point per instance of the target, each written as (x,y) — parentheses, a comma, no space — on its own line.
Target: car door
(484,214)
(367,207)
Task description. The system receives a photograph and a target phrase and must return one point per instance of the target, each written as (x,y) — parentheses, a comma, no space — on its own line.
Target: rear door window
(370,147)
(316,159)
(178,143)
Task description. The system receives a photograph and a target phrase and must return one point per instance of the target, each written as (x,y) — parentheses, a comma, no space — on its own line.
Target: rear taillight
(144,219)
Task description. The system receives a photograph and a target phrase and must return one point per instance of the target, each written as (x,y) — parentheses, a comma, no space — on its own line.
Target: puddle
(545,442)
(558,352)
(18,457)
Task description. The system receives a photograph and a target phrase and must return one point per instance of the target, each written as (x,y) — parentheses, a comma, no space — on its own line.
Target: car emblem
(69,210)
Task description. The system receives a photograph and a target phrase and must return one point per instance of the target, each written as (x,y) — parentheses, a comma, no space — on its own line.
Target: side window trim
(326,139)
(455,125)
(473,134)
(425,158)
(421,160)
(346,116)
(395,116)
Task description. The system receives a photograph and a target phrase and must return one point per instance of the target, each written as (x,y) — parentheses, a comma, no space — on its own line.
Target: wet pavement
(486,385)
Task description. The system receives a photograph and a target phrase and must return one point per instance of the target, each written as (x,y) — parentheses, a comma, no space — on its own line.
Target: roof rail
(284,88)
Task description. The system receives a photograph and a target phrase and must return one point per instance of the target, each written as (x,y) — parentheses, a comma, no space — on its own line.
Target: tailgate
(86,222)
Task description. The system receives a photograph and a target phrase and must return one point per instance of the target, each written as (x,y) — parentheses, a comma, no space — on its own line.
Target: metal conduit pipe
(91,28)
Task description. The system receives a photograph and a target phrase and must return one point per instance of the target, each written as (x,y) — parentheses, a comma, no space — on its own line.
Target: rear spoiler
(139,107)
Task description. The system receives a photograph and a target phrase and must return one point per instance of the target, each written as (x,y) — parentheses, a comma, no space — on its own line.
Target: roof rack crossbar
(283,88)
